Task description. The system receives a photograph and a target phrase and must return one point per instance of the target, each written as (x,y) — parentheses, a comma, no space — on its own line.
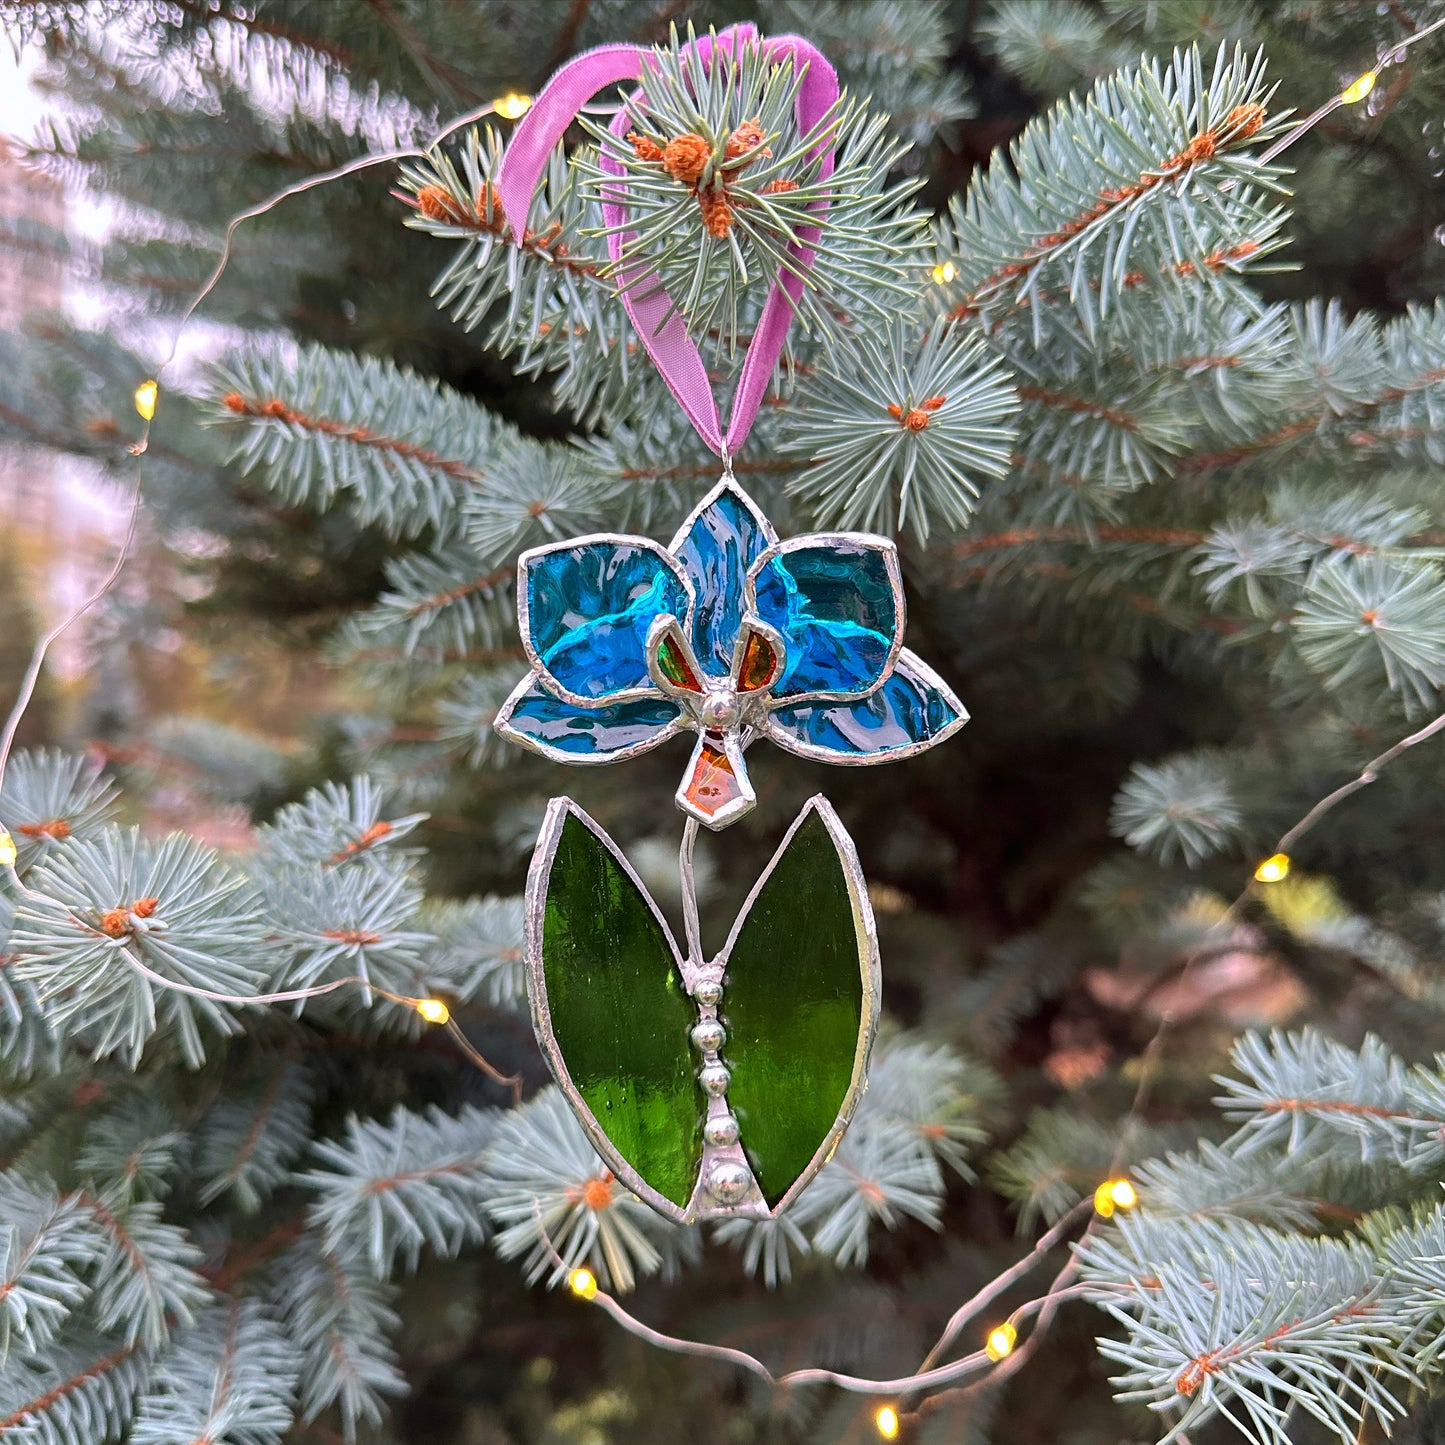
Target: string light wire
(972,1363)
(1354,92)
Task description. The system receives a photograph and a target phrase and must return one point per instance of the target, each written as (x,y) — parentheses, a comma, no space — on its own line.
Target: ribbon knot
(662,329)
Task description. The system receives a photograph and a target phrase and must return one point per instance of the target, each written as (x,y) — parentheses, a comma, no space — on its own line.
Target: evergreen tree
(1155,405)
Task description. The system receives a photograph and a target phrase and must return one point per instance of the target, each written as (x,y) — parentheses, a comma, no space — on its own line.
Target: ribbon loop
(673,351)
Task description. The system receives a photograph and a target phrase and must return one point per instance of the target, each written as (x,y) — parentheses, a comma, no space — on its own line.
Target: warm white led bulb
(512,106)
(433,1010)
(1000,1341)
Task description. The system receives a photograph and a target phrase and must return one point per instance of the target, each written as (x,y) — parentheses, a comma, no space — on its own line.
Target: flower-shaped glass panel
(729,634)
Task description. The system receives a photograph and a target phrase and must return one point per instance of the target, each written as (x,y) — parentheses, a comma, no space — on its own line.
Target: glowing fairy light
(944,272)
(1000,1342)
(7,850)
(512,106)
(583,1283)
(1113,1195)
(1358,88)
(1273,869)
(145,398)
(433,1010)
(887,1422)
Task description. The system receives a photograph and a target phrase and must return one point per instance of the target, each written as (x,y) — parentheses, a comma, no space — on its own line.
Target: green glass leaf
(619,1013)
(798,1001)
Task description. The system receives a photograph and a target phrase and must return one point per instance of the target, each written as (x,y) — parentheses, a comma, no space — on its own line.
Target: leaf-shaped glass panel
(800,1003)
(611,1010)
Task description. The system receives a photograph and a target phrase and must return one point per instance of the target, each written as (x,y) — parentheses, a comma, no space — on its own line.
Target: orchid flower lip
(731,745)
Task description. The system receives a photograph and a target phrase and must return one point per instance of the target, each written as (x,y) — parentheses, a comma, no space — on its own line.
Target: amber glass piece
(619,1012)
(713,784)
(673,664)
(759,667)
(794,1008)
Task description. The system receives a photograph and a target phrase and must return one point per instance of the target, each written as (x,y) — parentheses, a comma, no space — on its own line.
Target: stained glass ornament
(713,1086)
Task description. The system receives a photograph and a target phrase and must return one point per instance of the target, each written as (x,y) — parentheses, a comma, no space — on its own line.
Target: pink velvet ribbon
(643,296)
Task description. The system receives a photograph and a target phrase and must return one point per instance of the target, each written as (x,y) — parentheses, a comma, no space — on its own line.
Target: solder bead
(708,1035)
(708,993)
(719,710)
(721,1131)
(714,1079)
(727,1183)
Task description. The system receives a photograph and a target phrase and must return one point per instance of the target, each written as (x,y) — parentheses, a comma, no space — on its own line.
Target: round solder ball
(727,1183)
(708,1035)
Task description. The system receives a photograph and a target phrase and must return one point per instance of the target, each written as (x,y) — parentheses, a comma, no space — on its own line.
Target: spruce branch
(899,433)
(1185,808)
(897,55)
(228,1379)
(1303,1091)
(720,181)
(1245,1322)
(556,1205)
(1214,1182)
(146,1280)
(49,796)
(1114,180)
(921,1111)
(543,297)
(538,494)
(251,1136)
(1370,619)
(767,1246)
(134,1148)
(1412,1255)
(449,599)
(876,1176)
(1354,384)
(103,908)
(336,825)
(344,923)
(28,1047)
(465,716)
(391,1188)
(321,426)
(1057,1161)
(476,953)
(1049,44)
(1101,432)
(933,1095)
(339,1321)
(83,1388)
(45,1244)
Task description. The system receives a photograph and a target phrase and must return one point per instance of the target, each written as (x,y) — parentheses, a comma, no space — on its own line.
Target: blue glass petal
(588,610)
(573,734)
(838,606)
(726,537)
(912,710)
